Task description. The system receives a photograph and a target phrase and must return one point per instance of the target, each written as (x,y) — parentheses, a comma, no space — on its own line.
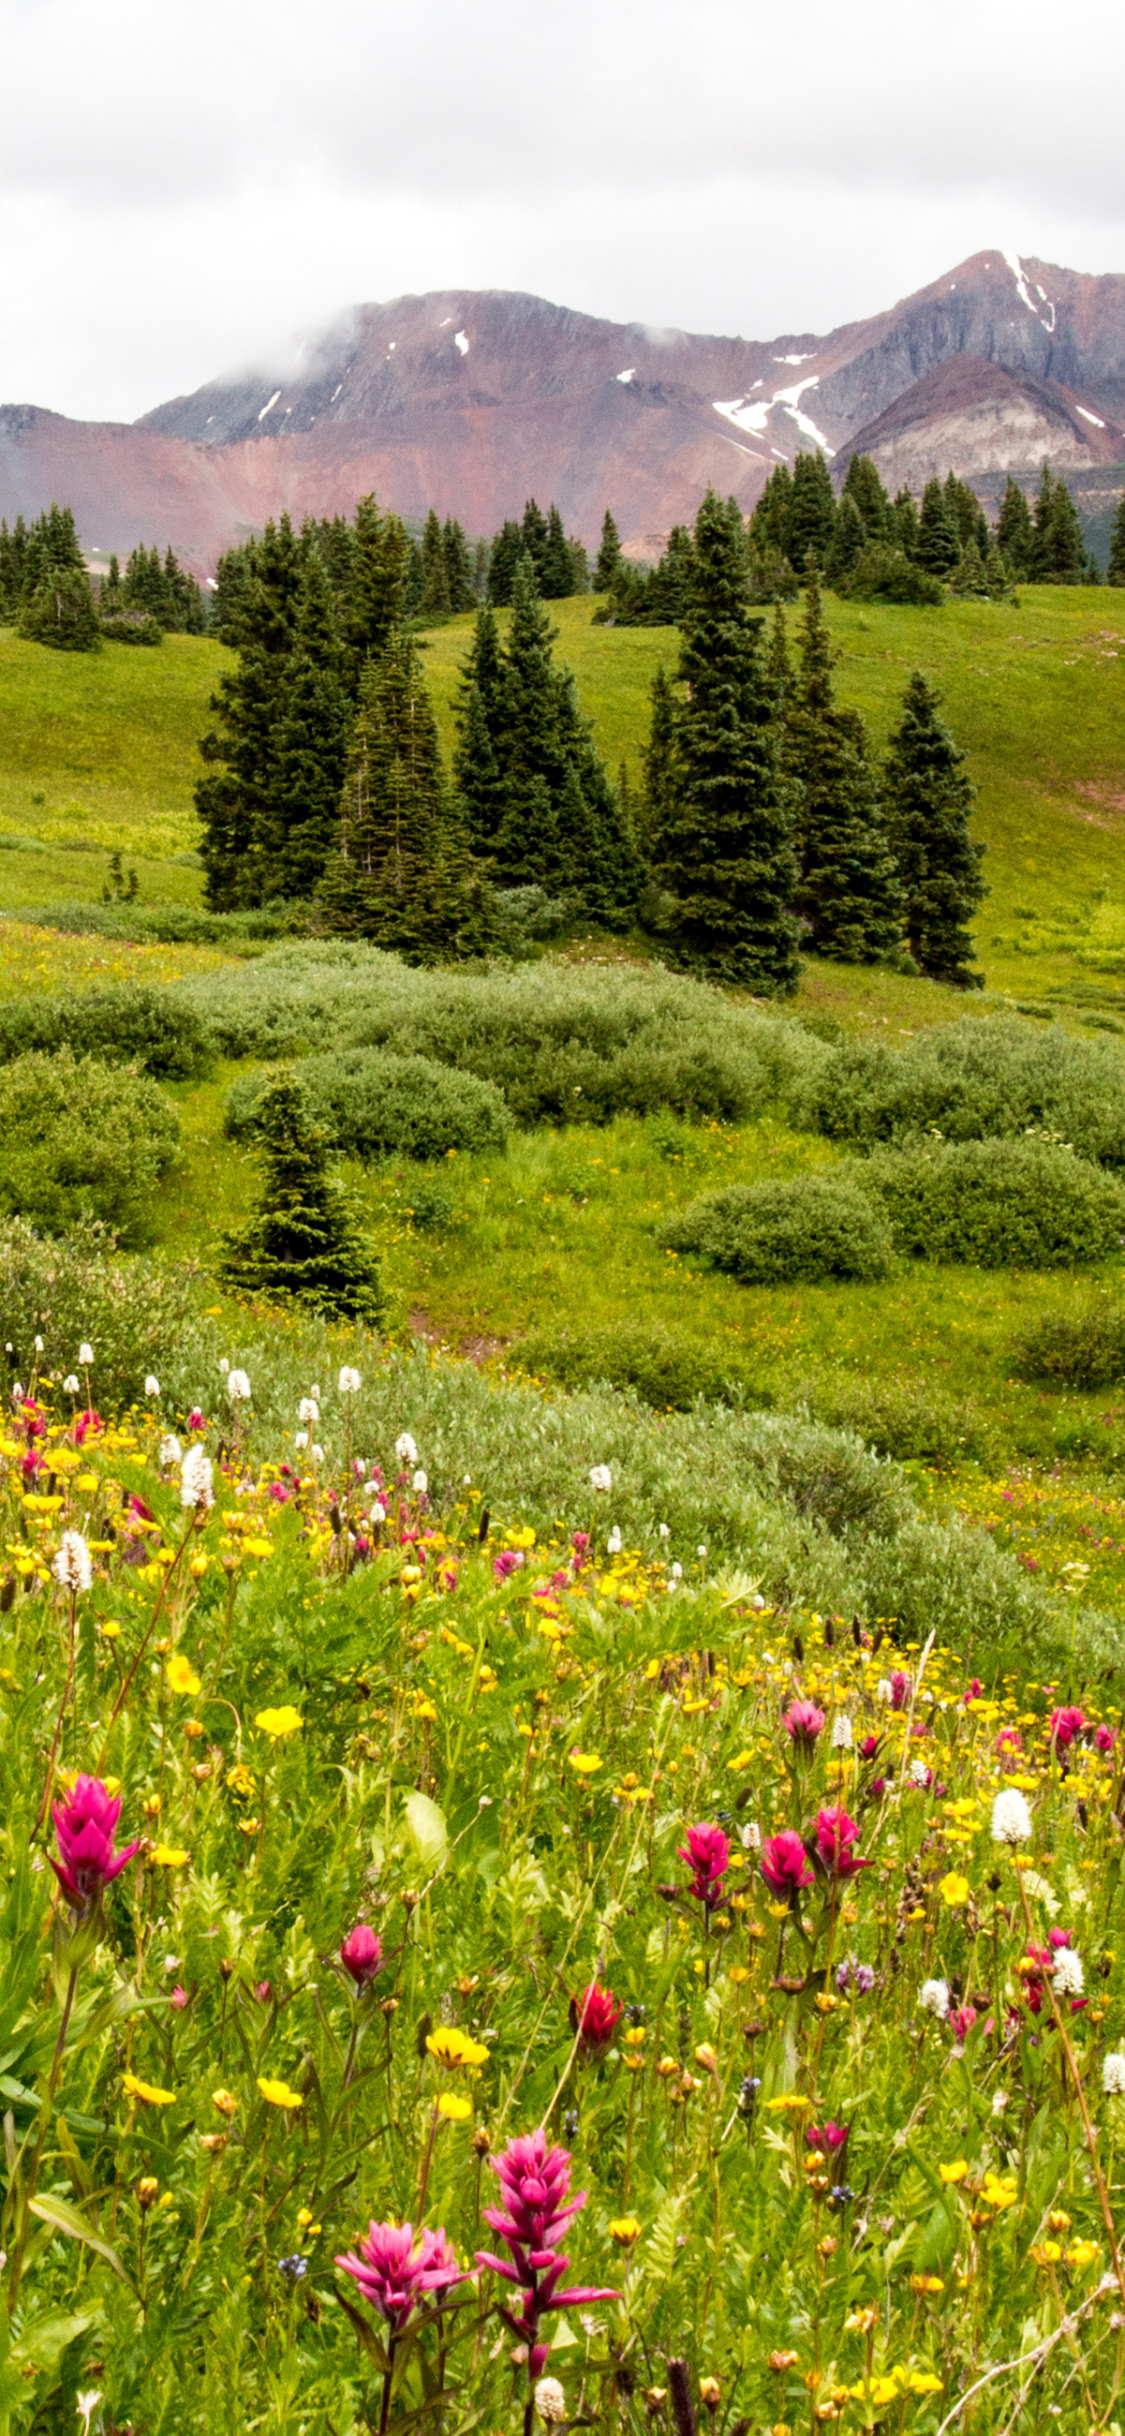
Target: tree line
(46,592)
(764,823)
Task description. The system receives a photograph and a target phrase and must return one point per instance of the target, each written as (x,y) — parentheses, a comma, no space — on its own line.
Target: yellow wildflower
(278,2093)
(452,2048)
(278,1722)
(954,1889)
(144,2092)
(454,2110)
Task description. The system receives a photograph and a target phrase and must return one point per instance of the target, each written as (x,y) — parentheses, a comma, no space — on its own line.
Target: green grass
(100,746)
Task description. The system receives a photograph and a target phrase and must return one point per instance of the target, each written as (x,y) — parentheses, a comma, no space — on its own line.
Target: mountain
(469,402)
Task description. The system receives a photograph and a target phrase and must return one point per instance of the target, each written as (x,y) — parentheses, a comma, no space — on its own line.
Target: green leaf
(425,1827)
(42,2344)
(66,2219)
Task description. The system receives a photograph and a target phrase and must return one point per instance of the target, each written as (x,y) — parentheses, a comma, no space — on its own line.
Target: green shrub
(667,1370)
(1082,1349)
(133,1024)
(81,1140)
(373,1105)
(168,925)
(1027,1204)
(133,1312)
(131,626)
(881,573)
(775,1234)
(902,1417)
(985,1076)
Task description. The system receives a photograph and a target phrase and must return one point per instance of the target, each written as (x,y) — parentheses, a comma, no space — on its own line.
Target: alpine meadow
(562,1591)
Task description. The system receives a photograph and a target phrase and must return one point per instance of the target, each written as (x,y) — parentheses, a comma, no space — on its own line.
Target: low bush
(373,1105)
(670,1371)
(902,1417)
(131,626)
(167,925)
(133,1312)
(994,1205)
(773,1234)
(881,573)
(985,1076)
(81,1140)
(133,1024)
(1081,1349)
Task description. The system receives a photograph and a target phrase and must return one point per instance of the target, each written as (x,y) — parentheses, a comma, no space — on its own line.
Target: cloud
(204,180)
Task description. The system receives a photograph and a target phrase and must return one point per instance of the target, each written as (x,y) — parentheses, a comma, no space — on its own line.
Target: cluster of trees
(46,592)
(766,822)
(870,544)
(441,575)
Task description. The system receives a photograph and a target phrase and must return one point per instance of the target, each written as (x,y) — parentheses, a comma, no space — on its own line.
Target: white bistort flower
(70,1384)
(72,1566)
(405,1448)
(883,1690)
(664,1531)
(85,1356)
(550,2400)
(152,1384)
(197,1481)
(1011,1818)
(613,1543)
(1069,1976)
(420,1484)
(677,1573)
(377,1512)
(601,1478)
(348,1381)
(318,1454)
(919,1773)
(39,1344)
(842,1732)
(1113,2075)
(238,1387)
(933,1997)
(308,1409)
(170,1449)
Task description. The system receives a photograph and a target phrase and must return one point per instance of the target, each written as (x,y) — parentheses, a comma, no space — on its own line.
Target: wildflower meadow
(459,1979)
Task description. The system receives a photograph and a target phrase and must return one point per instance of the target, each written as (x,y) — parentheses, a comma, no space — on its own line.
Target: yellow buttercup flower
(625,2230)
(954,1889)
(168,1856)
(454,2110)
(181,1675)
(278,1722)
(585,1763)
(452,2048)
(1082,2253)
(1000,2191)
(278,2093)
(144,2092)
(791,2104)
(955,2172)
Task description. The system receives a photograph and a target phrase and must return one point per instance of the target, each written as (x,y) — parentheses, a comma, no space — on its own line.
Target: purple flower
(362,1954)
(785,1864)
(507,1563)
(803,1722)
(392,2275)
(536,2208)
(84,1824)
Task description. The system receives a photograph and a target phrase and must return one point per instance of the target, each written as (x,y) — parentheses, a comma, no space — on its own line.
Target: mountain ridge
(471,400)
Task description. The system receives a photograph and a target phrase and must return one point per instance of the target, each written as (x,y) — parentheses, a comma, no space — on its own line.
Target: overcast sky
(182,186)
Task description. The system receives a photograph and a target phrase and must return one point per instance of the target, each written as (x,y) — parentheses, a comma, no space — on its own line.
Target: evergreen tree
(928,799)
(811,521)
(849,895)
(13,567)
(863,483)
(234,797)
(111,598)
(533,535)
(61,611)
(1015,532)
(609,555)
(376,602)
(848,541)
(1115,573)
(480,573)
(669,585)
(435,600)
(658,779)
(579,564)
(400,874)
(556,573)
(234,575)
(296,830)
(906,531)
(779,665)
(939,540)
(305,1241)
(504,558)
(769,524)
(724,852)
(334,537)
(1059,551)
(458,567)
(965,510)
(477,771)
(969,581)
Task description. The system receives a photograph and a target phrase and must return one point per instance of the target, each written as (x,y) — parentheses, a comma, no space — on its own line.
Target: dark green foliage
(235,797)
(864,485)
(771,578)
(376,599)
(533,533)
(1078,1349)
(130,626)
(928,798)
(135,1312)
(1015,532)
(670,1371)
(769,524)
(981,1077)
(160,590)
(659,767)
(778,1234)
(811,520)
(1022,1203)
(849,897)
(435,600)
(305,1241)
(370,1105)
(458,567)
(130,1024)
(882,573)
(504,557)
(477,772)
(55,604)
(1115,573)
(965,510)
(849,539)
(400,874)
(905,1418)
(609,555)
(905,528)
(1058,551)
(656,598)
(234,574)
(556,568)
(969,580)
(724,853)
(939,538)
(296,828)
(81,1140)
(13,558)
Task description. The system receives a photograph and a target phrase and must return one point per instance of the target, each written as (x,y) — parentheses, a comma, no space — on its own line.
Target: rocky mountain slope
(469,402)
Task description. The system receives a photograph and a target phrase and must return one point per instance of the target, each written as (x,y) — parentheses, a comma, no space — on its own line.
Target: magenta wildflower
(393,2275)
(901,1688)
(84,1824)
(835,1835)
(803,1722)
(829,2137)
(535,2209)
(1106,1740)
(785,1864)
(507,1563)
(1066,1726)
(362,1954)
(594,2016)
(708,1851)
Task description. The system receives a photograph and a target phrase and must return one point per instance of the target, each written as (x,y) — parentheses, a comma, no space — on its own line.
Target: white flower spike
(1011,1818)
(197,1480)
(72,1567)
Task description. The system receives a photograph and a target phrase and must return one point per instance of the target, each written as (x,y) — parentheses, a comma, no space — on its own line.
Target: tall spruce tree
(811,521)
(939,539)
(849,895)
(1115,572)
(503,559)
(401,873)
(305,1241)
(724,851)
(928,799)
(297,828)
(905,528)
(234,797)
(658,780)
(965,509)
(533,533)
(556,573)
(1015,532)
(769,524)
(377,597)
(458,567)
(477,771)
(848,541)
(609,555)
(864,484)
(435,600)
(1059,551)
